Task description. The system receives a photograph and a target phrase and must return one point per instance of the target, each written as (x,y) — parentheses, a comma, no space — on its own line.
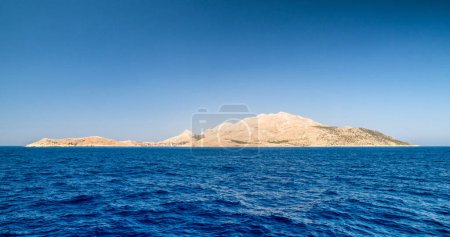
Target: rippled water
(279,192)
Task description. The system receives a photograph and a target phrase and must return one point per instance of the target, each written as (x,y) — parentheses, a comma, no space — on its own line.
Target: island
(264,130)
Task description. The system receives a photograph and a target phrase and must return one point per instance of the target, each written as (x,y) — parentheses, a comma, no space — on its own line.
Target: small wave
(59,184)
(79,199)
(138,195)
(161,192)
(227,203)
(79,215)
(330,193)
(281,219)
(182,206)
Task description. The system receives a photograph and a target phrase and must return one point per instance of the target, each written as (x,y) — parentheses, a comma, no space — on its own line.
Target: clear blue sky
(140,69)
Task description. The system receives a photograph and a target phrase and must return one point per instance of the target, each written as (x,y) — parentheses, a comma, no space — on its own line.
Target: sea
(397,191)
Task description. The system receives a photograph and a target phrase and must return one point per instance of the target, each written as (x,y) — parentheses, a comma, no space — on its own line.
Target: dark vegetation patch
(279,142)
(238,142)
(198,136)
(329,128)
(381,136)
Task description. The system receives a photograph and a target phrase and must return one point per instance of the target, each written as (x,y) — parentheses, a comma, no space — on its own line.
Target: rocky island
(264,130)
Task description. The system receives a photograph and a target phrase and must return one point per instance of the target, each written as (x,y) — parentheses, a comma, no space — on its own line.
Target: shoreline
(226,147)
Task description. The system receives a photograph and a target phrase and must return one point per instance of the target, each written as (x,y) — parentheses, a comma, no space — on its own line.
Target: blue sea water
(277,192)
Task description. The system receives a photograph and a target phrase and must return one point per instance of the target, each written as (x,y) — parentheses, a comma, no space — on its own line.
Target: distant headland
(264,130)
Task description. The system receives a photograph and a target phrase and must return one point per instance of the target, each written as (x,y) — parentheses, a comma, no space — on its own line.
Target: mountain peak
(284,117)
(187,132)
(183,138)
(282,113)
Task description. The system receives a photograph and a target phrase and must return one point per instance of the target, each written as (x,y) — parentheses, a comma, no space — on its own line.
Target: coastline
(229,147)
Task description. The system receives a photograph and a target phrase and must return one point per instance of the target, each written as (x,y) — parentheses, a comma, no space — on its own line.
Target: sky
(139,70)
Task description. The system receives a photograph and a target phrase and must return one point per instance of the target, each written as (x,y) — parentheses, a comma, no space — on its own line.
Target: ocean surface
(210,192)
